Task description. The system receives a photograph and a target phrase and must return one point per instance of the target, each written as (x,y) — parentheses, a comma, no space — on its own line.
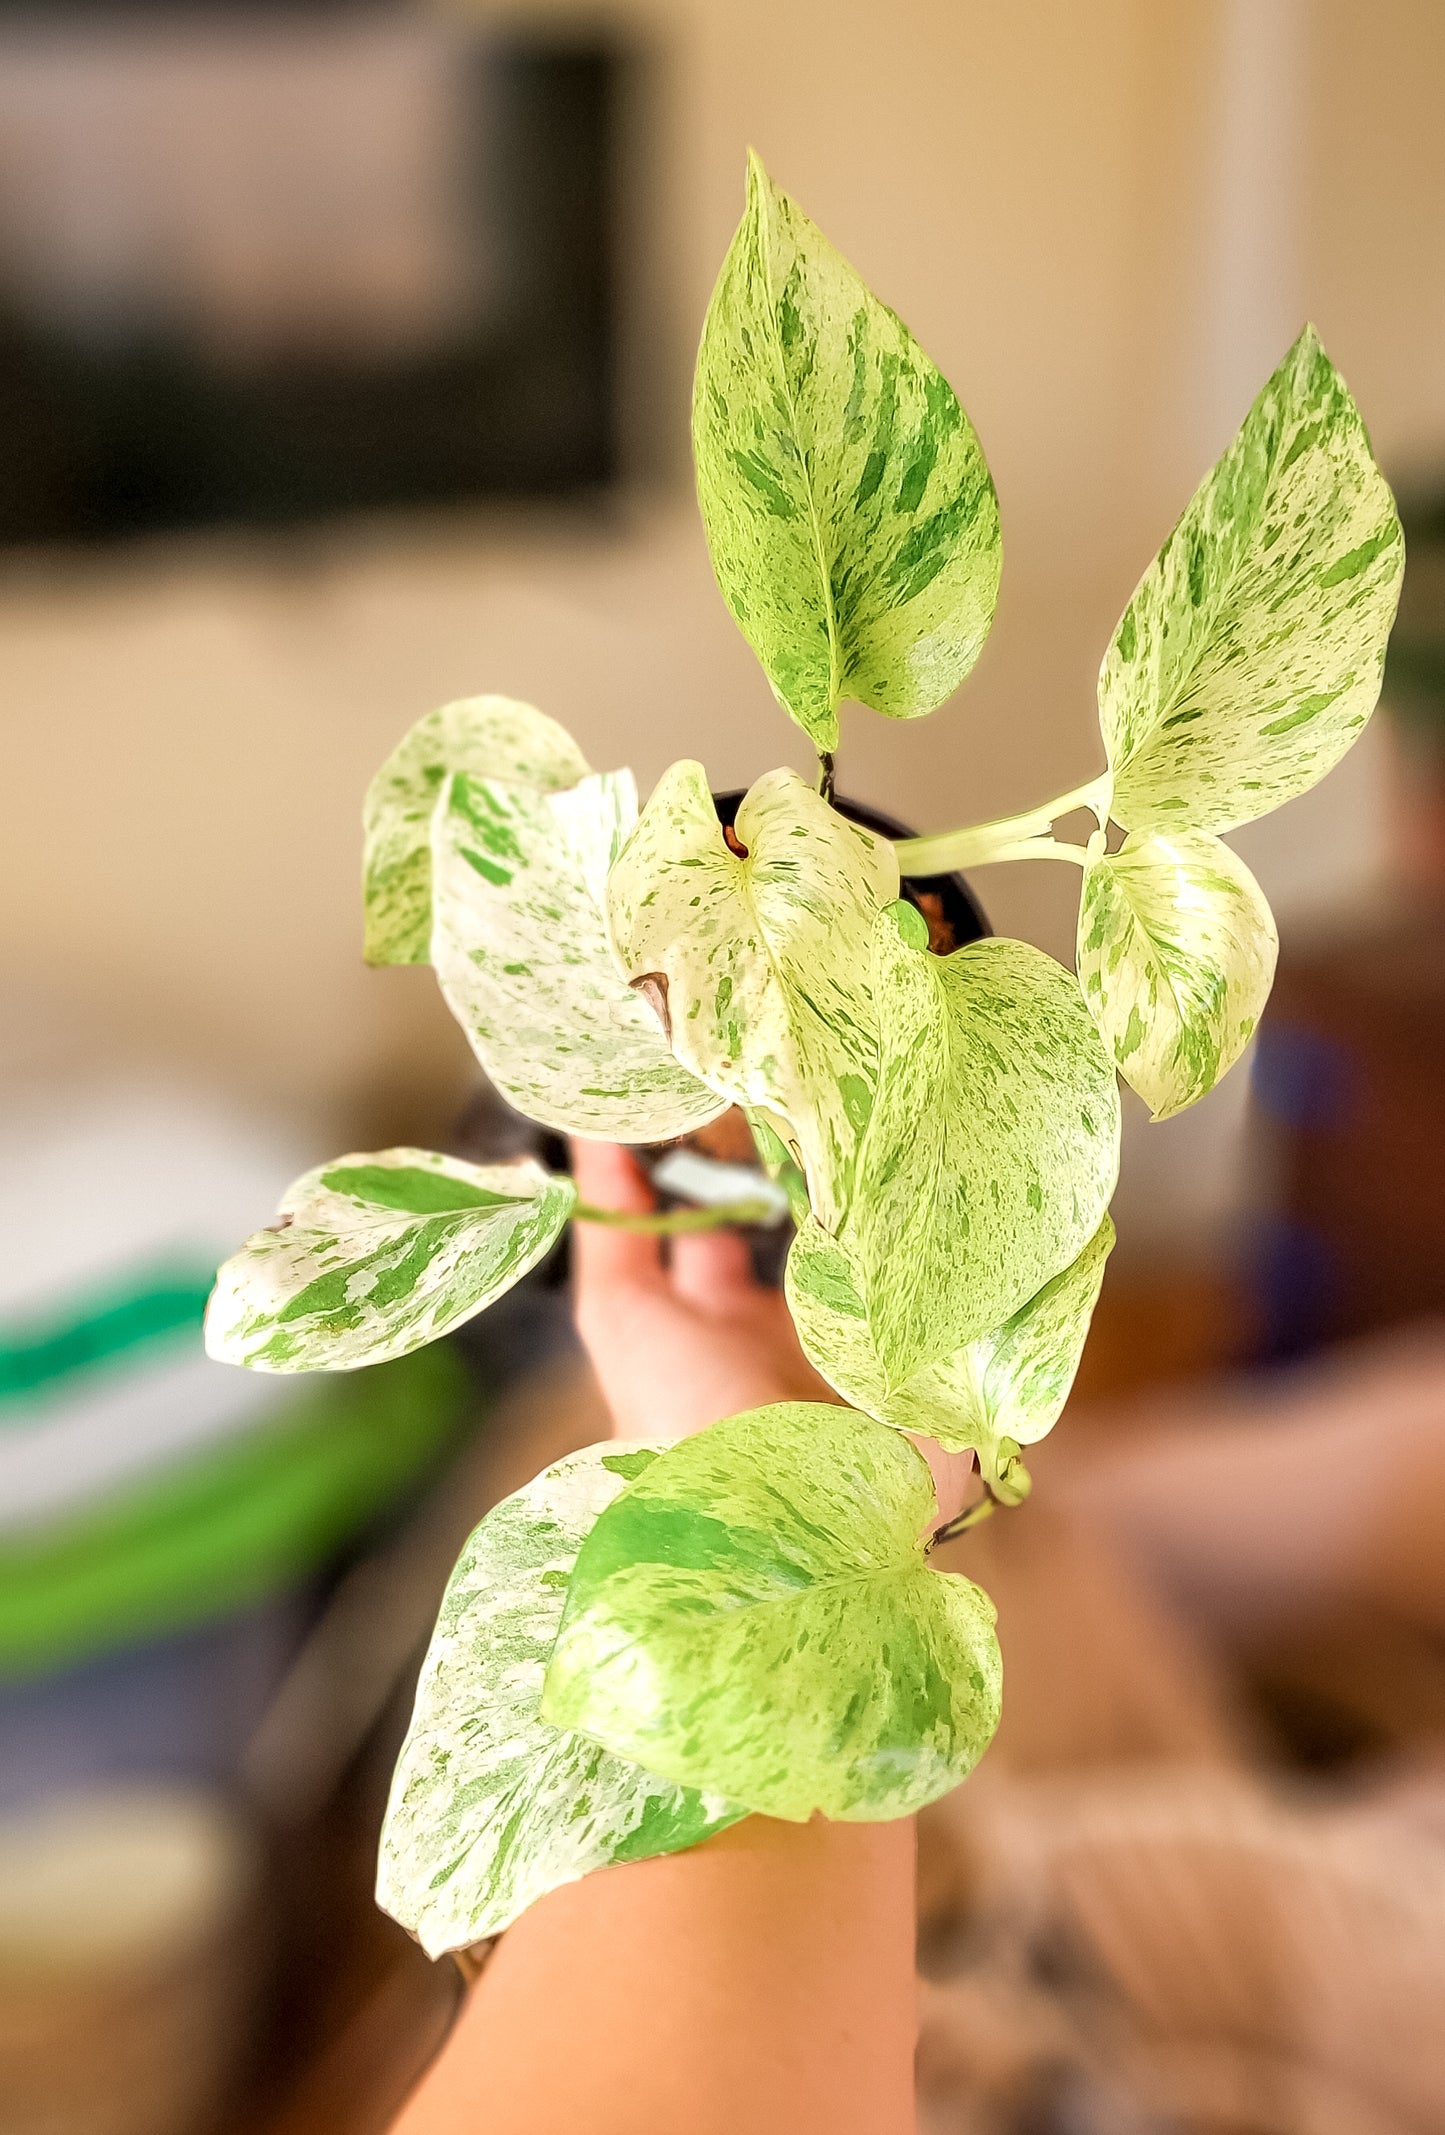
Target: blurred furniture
(1198,1885)
(1414,699)
(1349,1050)
(1191,1952)
(1349,1076)
(1159,1325)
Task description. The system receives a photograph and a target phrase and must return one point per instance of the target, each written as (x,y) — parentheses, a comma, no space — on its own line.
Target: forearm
(763,1981)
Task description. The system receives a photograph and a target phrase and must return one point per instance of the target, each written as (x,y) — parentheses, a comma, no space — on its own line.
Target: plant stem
(1037,849)
(981,1509)
(1011,837)
(825,775)
(668,1222)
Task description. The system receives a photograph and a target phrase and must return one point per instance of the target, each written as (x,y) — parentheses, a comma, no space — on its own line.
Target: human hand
(679,1335)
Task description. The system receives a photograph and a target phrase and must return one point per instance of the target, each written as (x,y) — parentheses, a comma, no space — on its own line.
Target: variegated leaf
(774,1141)
(763,959)
(493,737)
(1251,653)
(997,1393)
(993,1144)
(848,505)
(1177,950)
(492,1806)
(376,1255)
(521,954)
(756,1614)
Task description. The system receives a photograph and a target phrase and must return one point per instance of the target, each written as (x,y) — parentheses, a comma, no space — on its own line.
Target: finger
(609,1176)
(954,1482)
(711,1268)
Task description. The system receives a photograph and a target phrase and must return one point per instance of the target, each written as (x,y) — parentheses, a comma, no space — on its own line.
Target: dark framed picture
(266,265)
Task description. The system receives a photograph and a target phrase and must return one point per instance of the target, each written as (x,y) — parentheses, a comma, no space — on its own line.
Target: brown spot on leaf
(652,985)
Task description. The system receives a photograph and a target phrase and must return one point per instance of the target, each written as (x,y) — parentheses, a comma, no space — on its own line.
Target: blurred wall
(1104,221)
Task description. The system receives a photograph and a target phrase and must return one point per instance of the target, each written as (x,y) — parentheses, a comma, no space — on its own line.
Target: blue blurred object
(1303,1078)
(1294,1281)
(176,1708)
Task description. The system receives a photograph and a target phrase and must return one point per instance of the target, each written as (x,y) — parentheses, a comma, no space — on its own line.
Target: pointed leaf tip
(378,1254)
(993,1394)
(848,506)
(910,922)
(1251,654)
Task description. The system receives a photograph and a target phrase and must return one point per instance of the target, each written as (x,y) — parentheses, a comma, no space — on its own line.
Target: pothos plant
(650,1641)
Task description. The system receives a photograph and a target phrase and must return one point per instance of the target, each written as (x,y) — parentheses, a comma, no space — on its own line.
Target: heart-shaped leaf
(999,1392)
(492,1806)
(1177,950)
(847,502)
(1251,653)
(756,1614)
(521,954)
(376,1255)
(494,737)
(763,956)
(993,1144)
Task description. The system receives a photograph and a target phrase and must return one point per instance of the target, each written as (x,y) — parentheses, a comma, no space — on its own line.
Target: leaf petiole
(1037,849)
(972,1516)
(670,1222)
(1013,837)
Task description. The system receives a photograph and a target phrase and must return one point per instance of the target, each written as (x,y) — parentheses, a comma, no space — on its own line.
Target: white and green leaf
(992,1147)
(995,1394)
(1251,654)
(763,959)
(775,1143)
(375,1255)
(492,737)
(491,1805)
(756,1615)
(521,953)
(1177,950)
(848,506)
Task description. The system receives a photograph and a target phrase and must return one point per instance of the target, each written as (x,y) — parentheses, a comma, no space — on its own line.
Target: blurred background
(344,365)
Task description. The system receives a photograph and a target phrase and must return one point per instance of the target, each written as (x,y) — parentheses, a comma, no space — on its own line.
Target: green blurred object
(167,1303)
(229,1527)
(1415,663)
